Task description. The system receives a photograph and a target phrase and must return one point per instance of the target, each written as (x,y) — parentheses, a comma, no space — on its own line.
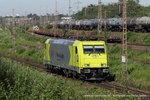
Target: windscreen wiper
(99,53)
(89,54)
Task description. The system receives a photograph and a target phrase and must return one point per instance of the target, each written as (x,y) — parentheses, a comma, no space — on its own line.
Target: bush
(115,49)
(49,26)
(17,82)
(40,27)
(20,51)
(132,36)
(94,32)
(146,39)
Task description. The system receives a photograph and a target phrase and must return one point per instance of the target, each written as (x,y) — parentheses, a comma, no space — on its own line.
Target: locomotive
(35,28)
(139,24)
(83,59)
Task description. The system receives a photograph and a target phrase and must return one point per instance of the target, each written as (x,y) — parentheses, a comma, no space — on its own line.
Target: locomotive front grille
(87,70)
(95,70)
(95,73)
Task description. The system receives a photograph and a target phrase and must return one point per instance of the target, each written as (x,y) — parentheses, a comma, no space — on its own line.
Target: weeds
(137,72)
(20,82)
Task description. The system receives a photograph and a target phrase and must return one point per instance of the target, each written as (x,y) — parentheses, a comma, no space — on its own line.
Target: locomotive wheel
(50,68)
(66,72)
(75,75)
(144,31)
(70,74)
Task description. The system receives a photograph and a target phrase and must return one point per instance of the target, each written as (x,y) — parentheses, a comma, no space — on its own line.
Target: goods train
(140,24)
(83,59)
(49,33)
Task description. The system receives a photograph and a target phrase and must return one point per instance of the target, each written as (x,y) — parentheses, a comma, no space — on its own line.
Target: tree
(134,9)
(34,16)
(49,26)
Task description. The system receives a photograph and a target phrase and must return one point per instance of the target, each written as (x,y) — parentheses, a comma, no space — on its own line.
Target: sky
(34,6)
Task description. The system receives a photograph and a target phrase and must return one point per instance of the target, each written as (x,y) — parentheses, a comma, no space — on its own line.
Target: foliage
(132,36)
(134,10)
(49,26)
(40,27)
(94,32)
(33,16)
(146,39)
(22,82)
(139,38)
(138,72)
(24,45)
(106,34)
(17,82)
(27,47)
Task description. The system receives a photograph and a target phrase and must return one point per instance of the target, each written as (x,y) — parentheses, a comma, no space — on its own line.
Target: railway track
(134,46)
(122,89)
(106,85)
(77,37)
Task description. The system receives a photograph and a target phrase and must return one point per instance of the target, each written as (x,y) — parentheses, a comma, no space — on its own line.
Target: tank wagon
(138,24)
(83,59)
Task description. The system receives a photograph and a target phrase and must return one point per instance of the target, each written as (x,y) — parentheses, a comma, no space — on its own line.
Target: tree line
(114,10)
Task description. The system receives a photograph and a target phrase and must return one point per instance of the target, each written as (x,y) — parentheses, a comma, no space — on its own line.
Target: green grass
(115,52)
(26,46)
(22,82)
(139,73)
(139,38)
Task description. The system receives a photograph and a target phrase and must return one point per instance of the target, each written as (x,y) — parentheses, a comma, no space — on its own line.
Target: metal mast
(25,20)
(85,12)
(47,14)
(13,15)
(124,40)
(69,8)
(56,16)
(69,12)
(99,16)
(40,14)
(105,19)
(13,30)
(78,3)
(56,11)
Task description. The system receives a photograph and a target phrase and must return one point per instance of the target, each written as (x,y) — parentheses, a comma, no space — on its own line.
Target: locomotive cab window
(99,49)
(88,49)
(94,49)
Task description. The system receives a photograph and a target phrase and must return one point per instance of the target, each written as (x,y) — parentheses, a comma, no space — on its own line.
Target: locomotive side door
(47,47)
(75,56)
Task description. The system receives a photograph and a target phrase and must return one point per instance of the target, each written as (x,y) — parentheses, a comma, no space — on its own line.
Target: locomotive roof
(60,41)
(70,42)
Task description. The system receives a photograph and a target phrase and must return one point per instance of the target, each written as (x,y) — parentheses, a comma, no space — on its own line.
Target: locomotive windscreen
(93,49)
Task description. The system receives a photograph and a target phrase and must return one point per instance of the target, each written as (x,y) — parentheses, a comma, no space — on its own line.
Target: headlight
(87,65)
(104,65)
